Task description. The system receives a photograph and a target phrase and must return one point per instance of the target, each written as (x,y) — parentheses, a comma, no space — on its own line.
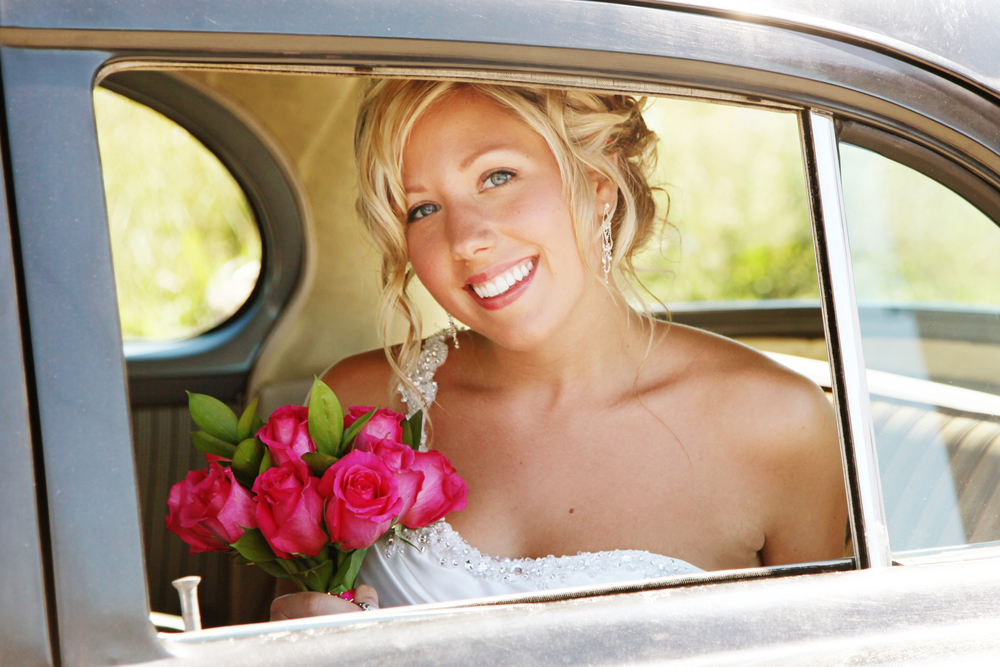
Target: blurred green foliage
(186,247)
(738,208)
(912,239)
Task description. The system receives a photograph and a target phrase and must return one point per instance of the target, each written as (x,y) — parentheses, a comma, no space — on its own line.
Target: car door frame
(52,54)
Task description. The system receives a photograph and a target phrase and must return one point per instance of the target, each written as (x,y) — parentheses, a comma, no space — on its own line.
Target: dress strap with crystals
(432,355)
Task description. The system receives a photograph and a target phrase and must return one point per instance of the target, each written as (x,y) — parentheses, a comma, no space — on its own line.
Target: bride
(598,444)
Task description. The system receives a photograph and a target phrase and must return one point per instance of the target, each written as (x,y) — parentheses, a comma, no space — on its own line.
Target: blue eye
(422,211)
(498,178)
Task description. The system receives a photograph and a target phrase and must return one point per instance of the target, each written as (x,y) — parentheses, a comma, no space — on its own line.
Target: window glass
(738,205)
(927,278)
(186,247)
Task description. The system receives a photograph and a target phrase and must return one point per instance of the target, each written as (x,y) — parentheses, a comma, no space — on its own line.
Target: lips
(500,284)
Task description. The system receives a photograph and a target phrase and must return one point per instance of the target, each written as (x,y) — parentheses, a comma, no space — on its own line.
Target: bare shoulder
(769,404)
(770,435)
(362,379)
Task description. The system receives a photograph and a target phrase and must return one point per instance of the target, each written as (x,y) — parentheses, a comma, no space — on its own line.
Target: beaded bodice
(443,566)
(449,549)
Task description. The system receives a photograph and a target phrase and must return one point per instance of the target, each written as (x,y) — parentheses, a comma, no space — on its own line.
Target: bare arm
(363,379)
(807,512)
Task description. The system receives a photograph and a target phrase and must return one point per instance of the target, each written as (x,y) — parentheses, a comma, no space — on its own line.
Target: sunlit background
(738,211)
(187,251)
(186,248)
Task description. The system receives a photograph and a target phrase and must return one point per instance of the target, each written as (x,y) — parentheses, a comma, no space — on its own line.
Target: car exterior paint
(73,588)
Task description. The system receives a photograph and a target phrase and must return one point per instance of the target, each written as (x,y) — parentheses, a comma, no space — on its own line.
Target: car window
(739,213)
(926,276)
(186,246)
(736,256)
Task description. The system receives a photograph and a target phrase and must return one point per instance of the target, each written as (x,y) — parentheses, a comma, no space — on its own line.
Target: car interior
(735,257)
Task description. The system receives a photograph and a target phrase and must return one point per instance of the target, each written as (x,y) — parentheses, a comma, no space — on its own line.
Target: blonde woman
(598,444)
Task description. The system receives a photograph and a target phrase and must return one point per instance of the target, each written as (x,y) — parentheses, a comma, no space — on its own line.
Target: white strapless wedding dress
(440,566)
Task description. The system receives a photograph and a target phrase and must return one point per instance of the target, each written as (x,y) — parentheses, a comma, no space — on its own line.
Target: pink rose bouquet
(303,495)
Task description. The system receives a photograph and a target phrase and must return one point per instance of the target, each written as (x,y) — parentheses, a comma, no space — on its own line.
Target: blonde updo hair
(585,131)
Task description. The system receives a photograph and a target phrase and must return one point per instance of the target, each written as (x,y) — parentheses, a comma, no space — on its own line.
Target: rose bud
(290,510)
(362,499)
(286,434)
(442,491)
(384,424)
(209,509)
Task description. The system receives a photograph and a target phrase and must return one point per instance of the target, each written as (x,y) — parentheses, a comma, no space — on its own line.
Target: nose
(471,231)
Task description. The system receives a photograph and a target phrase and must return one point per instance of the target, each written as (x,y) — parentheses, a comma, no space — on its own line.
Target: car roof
(957,37)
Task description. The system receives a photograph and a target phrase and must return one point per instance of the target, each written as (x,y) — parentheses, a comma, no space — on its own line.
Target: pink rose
(362,499)
(399,459)
(286,434)
(209,509)
(290,510)
(443,491)
(384,424)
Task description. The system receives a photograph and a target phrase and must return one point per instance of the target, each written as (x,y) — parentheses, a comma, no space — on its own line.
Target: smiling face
(489,230)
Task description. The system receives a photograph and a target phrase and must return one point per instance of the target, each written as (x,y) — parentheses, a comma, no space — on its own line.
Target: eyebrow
(464,164)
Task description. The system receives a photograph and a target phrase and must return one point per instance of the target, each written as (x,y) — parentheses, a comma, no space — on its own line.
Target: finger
(367,594)
(304,605)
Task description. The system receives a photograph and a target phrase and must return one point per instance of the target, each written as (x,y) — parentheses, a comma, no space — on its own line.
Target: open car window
(737,240)
(926,276)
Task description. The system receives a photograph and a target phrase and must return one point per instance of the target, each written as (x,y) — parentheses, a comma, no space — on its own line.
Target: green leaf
(214,417)
(416,426)
(209,444)
(265,463)
(407,433)
(318,463)
(245,427)
(318,578)
(248,457)
(253,546)
(353,431)
(326,419)
(273,569)
(347,573)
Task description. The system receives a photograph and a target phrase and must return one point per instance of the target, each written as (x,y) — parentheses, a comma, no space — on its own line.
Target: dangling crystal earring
(607,245)
(453,330)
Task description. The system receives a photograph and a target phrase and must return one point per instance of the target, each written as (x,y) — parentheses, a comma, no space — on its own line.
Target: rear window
(186,246)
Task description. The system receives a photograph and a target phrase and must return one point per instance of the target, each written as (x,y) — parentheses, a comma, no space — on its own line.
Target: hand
(305,605)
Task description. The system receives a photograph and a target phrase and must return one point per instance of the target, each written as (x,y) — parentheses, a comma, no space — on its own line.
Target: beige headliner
(311,121)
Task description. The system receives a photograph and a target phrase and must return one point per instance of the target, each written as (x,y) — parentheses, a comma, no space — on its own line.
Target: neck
(600,341)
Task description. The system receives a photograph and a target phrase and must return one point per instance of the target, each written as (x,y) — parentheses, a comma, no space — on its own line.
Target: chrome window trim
(840,314)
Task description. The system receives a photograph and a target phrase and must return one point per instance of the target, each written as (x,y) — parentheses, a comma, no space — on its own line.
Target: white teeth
(504,281)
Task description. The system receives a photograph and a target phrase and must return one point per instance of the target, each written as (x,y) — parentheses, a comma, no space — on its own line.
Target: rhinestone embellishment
(447,548)
(432,354)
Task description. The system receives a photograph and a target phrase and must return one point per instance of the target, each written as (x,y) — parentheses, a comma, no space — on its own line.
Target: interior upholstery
(229,593)
(919,493)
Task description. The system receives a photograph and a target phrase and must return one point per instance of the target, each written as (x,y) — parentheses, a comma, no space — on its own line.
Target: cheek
(429,258)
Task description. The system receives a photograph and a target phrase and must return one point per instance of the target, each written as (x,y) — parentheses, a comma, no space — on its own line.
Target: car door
(24,603)
(54,52)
